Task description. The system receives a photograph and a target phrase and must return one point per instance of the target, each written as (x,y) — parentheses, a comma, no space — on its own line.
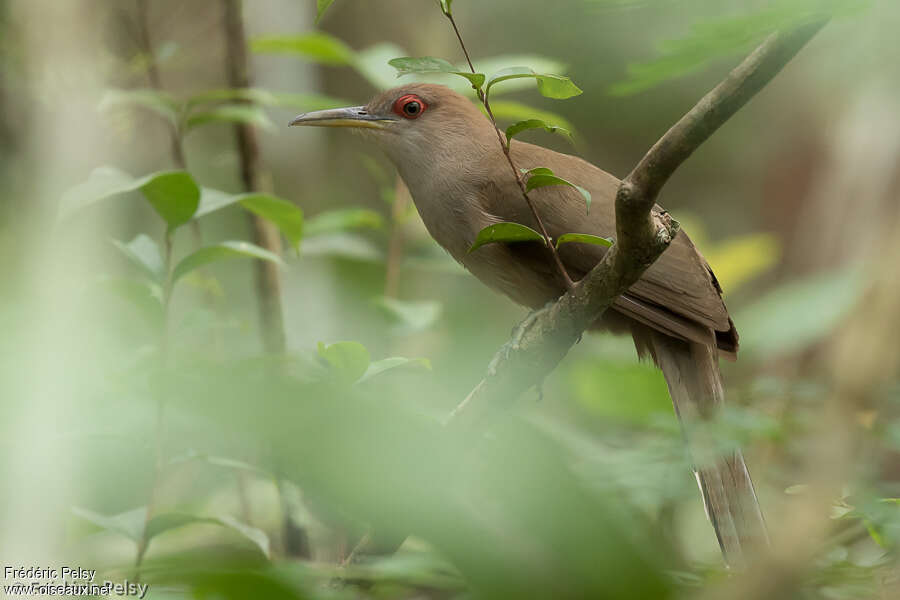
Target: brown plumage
(448,154)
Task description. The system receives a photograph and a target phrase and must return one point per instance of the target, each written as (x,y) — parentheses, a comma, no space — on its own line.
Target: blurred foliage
(146,434)
(727,37)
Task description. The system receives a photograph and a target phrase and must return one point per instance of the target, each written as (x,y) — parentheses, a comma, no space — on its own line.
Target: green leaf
(144,252)
(583,238)
(429,64)
(349,360)
(550,86)
(129,524)
(410,317)
(248,114)
(386,364)
(506,110)
(507,233)
(316,46)
(343,219)
(321,7)
(543,177)
(521,126)
(285,215)
(537,63)
(445,7)
(174,520)
(221,251)
(212,200)
(159,102)
(173,194)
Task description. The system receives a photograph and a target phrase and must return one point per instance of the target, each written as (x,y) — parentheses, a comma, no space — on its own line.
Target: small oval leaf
(550,86)
(517,128)
(583,238)
(506,233)
(544,177)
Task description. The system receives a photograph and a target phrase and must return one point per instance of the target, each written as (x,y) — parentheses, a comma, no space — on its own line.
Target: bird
(447,153)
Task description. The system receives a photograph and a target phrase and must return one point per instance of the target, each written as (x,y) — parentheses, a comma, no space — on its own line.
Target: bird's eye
(409,106)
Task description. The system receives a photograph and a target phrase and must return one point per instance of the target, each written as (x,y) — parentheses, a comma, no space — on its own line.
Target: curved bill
(354,116)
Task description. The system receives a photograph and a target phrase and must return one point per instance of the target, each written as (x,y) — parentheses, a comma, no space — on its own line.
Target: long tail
(695,385)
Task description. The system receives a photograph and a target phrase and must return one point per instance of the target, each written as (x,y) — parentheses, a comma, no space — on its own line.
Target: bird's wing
(678,294)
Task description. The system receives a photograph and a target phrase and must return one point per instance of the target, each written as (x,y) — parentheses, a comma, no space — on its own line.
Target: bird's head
(413,124)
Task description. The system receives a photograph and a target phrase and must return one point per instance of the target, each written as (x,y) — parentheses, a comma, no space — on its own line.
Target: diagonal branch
(642,233)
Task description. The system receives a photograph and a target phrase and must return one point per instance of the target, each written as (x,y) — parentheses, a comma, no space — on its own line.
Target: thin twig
(548,241)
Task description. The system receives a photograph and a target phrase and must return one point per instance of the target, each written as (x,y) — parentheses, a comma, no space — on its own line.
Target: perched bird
(449,156)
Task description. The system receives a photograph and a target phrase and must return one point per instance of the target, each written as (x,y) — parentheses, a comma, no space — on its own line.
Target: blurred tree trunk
(268,278)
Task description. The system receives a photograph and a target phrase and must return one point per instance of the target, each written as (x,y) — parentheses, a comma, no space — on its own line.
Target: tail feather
(695,385)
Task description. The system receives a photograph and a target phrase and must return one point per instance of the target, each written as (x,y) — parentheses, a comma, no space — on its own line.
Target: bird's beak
(355,116)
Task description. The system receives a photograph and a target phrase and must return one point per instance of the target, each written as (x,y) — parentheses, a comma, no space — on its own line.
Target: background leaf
(285,215)
(221,251)
(409,316)
(156,101)
(173,194)
(316,46)
(230,113)
(386,364)
(349,360)
(144,252)
(129,523)
(343,219)
(173,520)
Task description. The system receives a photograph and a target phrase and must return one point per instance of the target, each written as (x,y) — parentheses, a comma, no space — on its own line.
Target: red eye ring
(409,106)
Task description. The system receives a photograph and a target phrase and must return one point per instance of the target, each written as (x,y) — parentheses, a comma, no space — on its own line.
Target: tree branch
(642,233)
